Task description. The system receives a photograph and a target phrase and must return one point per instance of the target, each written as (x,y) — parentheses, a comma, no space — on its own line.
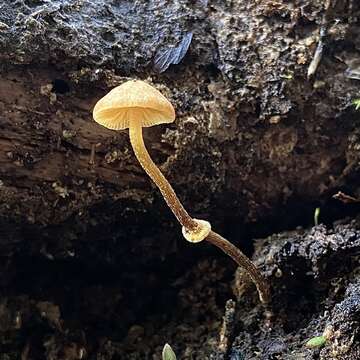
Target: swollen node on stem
(199,234)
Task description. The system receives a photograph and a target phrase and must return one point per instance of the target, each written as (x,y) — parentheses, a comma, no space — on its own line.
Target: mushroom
(134,105)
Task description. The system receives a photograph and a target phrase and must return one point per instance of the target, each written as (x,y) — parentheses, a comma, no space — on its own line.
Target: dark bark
(250,126)
(256,146)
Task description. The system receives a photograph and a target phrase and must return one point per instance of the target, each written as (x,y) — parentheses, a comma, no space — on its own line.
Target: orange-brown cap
(133,100)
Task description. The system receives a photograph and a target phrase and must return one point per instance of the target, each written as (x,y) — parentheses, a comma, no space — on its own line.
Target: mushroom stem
(243,261)
(137,143)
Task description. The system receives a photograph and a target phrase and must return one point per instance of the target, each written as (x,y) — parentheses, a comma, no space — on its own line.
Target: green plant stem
(242,260)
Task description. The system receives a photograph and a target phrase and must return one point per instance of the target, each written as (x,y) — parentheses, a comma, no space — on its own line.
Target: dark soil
(93,265)
(64,309)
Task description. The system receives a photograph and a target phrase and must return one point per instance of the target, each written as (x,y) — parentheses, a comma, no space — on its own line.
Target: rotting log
(252,132)
(255,137)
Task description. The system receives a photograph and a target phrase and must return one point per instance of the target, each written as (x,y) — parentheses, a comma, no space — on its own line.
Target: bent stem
(228,248)
(137,143)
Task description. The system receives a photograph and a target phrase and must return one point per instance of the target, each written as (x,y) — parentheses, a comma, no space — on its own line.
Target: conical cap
(134,100)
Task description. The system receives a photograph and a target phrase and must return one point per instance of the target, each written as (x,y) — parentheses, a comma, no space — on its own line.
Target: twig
(346,199)
(322,41)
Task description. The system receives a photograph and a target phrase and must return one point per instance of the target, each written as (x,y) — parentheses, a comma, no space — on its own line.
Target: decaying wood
(254,140)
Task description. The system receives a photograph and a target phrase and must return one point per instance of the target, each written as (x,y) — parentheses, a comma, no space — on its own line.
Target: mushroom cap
(134,100)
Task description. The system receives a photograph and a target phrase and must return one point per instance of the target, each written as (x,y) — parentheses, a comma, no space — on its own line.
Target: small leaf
(356,103)
(168,353)
(316,342)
